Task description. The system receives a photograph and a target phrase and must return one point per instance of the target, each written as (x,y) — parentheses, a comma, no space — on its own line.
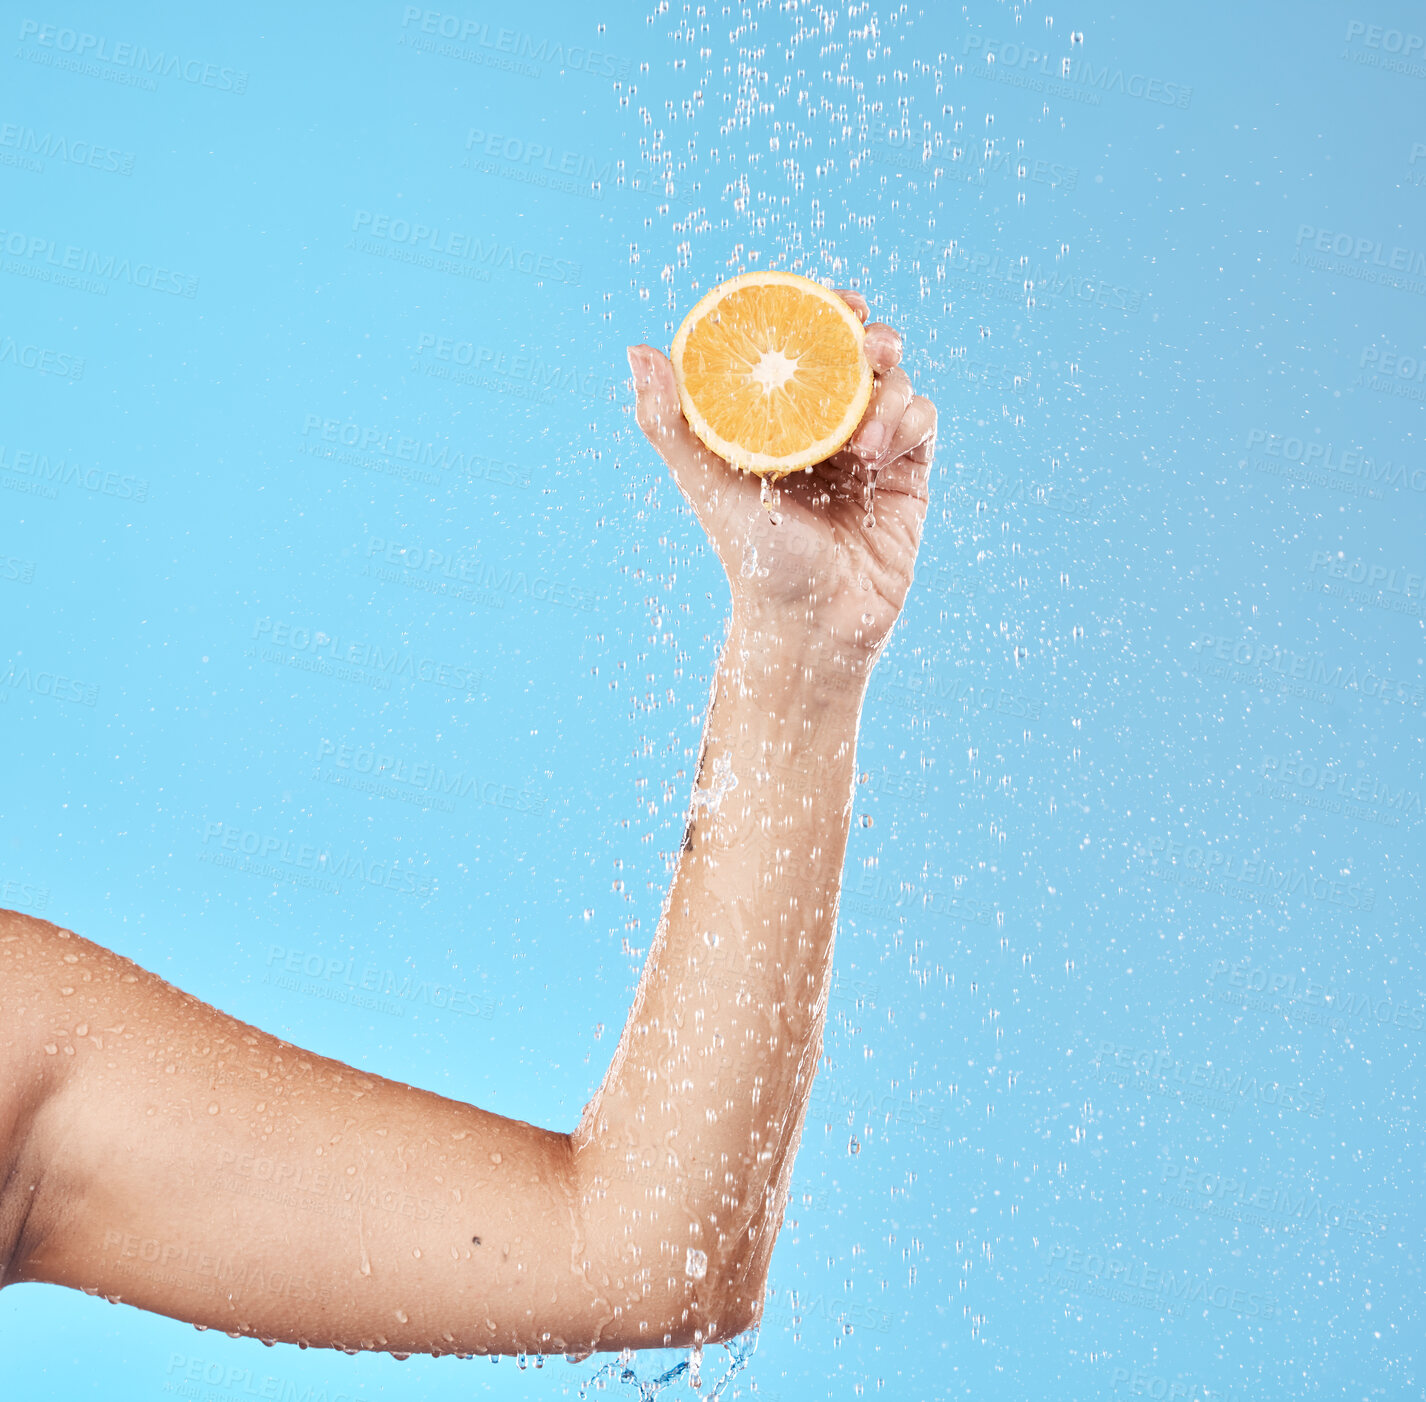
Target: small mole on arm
(476,1240)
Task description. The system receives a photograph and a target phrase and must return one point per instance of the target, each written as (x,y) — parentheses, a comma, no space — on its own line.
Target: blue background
(1129,969)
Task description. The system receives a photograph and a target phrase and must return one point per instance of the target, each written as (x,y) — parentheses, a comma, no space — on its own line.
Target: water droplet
(854,1145)
(695,1265)
(213,1109)
(496,1157)
(402,1317)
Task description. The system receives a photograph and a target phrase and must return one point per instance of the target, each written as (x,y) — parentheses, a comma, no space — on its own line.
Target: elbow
(664,1291)
(742,1311)
(724,1316)
(728,1302)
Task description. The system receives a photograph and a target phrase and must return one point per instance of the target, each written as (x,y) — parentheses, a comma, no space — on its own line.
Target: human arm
(157,1150)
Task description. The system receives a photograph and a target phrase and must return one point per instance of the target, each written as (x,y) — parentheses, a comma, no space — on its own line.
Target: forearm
(689,1143)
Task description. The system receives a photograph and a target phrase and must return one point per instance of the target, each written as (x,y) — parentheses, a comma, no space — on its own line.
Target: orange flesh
(724,350)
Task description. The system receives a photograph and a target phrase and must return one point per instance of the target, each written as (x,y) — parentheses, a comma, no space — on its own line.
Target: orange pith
(771,373)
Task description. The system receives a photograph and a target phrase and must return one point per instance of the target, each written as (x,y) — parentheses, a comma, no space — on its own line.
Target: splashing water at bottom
(623,1370)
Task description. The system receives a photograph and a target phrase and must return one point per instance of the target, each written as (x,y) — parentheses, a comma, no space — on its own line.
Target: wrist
(769,653)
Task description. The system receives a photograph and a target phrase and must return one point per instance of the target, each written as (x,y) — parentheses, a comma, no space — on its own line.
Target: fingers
(916,432)
(889,402)
(706,481)
(656,406)
(882,347)
(856,302)
(907,466)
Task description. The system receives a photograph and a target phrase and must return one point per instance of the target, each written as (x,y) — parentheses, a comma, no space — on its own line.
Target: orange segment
(771,373)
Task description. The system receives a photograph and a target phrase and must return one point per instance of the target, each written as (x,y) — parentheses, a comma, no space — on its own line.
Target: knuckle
(899,381)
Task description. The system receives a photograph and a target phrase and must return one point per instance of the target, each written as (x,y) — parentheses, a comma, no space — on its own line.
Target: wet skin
(154,1149)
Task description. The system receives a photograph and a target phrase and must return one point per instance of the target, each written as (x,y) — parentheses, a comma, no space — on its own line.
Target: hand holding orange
(802,448)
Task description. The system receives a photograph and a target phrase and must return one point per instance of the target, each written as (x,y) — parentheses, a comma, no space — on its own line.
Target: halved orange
(771,373)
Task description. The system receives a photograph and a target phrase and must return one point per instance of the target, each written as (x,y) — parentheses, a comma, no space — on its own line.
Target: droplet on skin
(496,1158)
(402,1317)
(213,1109)
(51,1049)
(695,1265)
(82,1030)
(66,991)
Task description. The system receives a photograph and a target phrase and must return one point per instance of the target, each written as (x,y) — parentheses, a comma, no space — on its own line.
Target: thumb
(702,476)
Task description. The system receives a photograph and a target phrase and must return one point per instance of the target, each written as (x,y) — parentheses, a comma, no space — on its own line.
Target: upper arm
(196,1166)
(27,1078)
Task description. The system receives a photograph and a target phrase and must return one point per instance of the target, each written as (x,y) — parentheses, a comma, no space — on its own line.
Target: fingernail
(871,438)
